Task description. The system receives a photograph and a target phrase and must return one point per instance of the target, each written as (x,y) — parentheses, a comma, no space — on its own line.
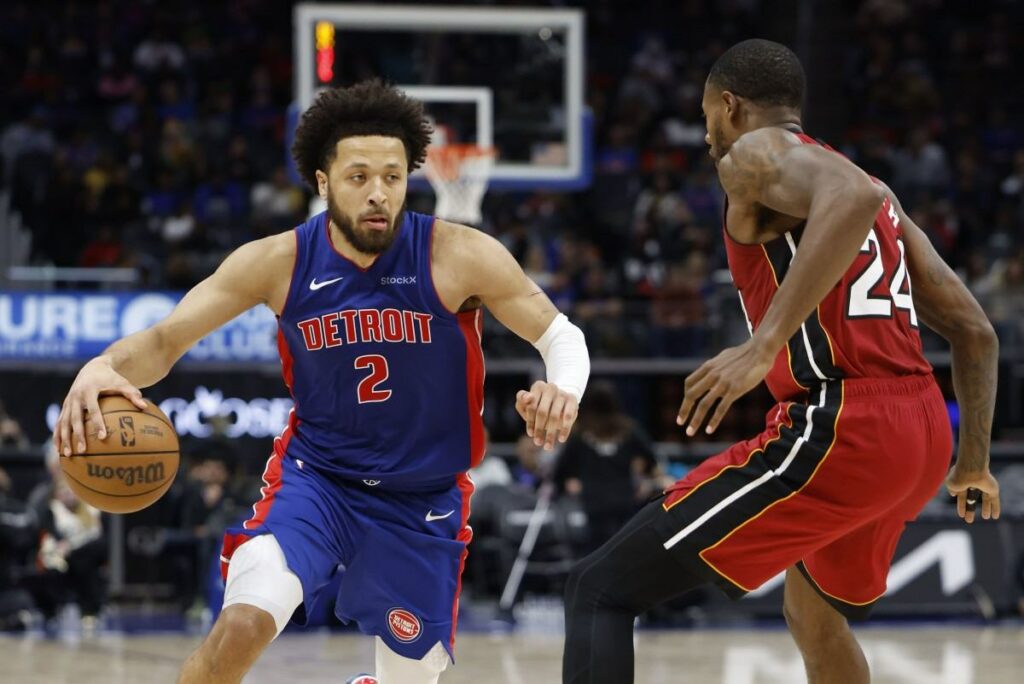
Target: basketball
(133,466)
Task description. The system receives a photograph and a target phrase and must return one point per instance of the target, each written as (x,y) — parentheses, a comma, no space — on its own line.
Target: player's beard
(719,147)
(367,241)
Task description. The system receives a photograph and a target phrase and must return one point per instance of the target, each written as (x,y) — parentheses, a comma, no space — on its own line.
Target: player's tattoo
(975,376)
(975,371)
(748,169)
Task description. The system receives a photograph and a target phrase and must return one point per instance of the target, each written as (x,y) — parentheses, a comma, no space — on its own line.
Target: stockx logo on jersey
(354,326)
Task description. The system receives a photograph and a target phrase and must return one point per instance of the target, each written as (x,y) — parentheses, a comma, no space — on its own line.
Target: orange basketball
(133,466)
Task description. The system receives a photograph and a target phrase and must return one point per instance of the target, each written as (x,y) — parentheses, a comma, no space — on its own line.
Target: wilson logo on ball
(404,625)
(147,474)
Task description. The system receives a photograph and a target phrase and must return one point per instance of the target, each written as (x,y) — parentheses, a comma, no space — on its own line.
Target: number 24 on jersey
(862,303)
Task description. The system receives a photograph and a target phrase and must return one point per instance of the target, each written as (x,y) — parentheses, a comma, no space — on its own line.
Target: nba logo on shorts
(404,625)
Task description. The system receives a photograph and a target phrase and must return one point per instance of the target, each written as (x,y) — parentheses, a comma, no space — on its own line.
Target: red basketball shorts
(827,487)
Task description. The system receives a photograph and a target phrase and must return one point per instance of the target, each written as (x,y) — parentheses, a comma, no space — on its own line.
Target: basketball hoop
(459,175)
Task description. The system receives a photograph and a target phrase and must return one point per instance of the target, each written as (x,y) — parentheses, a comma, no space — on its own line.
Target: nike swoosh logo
(431,517)
(313,285)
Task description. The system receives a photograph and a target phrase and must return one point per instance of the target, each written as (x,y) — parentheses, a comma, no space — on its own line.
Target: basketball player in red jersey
(823,257)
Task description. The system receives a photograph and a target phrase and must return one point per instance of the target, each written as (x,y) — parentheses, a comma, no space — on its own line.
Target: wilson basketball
(133,466)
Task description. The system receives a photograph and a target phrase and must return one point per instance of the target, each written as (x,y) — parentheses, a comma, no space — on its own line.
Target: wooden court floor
(904,655)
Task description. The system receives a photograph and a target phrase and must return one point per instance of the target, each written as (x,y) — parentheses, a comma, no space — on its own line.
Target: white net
(459,176)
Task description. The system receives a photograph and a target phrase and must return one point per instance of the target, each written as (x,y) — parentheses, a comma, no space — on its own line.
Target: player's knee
(244,629)
(577,592)
(813,624)
(587,587)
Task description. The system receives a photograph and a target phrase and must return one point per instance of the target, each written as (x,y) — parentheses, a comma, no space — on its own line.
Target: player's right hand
(549,413)
(82,405)
(965,486)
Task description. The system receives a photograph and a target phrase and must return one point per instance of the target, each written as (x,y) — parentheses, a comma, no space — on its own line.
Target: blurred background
(140,142)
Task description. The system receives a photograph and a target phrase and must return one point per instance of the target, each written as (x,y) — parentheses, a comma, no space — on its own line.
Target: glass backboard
(511,78)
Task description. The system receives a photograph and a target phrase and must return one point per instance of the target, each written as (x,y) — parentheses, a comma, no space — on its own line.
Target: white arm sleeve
(566,359)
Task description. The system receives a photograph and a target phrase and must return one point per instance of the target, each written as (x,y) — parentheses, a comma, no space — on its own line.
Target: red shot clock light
(325,51)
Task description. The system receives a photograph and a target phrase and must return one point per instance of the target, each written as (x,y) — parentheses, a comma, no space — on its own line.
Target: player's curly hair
(366,108)
(762,71)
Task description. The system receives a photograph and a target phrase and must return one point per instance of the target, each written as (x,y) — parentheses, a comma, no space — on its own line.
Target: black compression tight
(629,574)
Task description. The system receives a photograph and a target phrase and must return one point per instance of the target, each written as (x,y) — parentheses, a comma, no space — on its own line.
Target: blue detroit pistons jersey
(387,382)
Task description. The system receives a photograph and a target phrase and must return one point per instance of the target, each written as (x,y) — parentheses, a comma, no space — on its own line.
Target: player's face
(716,120)
(365,189)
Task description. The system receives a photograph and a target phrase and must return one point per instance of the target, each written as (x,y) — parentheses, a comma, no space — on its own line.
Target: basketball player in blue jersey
(379,315)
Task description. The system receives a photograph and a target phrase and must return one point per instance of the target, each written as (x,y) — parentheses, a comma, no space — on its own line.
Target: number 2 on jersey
(863,304)
(368,391)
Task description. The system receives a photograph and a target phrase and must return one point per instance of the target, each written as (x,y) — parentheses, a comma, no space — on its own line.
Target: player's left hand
(549,413)
(968,488)
(723,379)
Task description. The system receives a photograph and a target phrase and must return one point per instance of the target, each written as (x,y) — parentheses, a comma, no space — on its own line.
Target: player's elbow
(978,331)
(972,329)
(867,197)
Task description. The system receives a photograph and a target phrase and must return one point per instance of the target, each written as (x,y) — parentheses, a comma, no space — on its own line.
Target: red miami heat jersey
(865,327)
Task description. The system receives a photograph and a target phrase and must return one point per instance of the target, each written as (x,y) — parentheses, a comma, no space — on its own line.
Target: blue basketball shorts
(401,553)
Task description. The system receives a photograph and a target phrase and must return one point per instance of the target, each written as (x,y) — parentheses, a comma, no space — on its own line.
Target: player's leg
(823,635)
(902,450)
(232,646)
(259,598)
(402,583)
(629,574)
(394,668)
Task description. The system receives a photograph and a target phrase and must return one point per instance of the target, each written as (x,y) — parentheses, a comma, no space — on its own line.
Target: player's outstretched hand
(549,413)
(968,488)
(96,378)
(721,380)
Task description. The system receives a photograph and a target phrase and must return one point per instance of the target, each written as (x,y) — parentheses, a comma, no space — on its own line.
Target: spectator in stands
(608,463)
(72,554)
(159,53)
(678,312)
(276,203)
(11,434)
(1005,300)
(19,531)
(661,206)
(921,167)
(209,493)
(213,498)
(1012,187)
(104,250)
(23,139)
(532,465)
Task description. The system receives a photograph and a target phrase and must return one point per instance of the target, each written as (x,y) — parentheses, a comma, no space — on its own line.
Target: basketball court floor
(916,654)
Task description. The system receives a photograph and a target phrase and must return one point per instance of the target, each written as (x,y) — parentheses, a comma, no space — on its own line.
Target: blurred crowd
(154,137)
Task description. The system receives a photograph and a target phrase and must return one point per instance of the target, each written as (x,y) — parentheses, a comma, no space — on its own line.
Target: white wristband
(566,360)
